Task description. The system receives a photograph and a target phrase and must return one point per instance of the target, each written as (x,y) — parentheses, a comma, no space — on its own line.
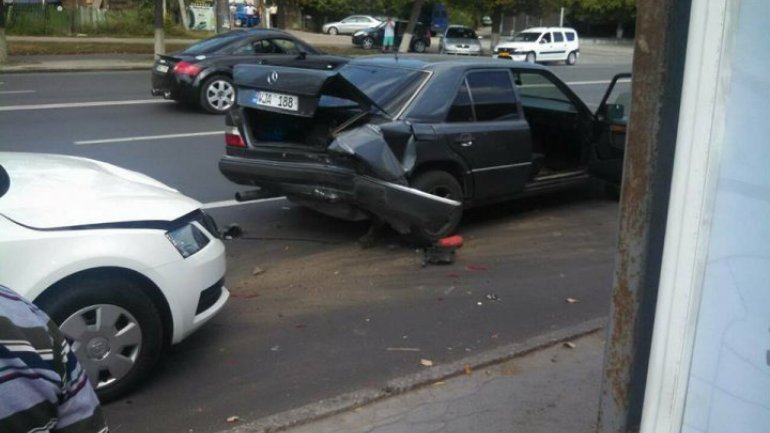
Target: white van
(541,44)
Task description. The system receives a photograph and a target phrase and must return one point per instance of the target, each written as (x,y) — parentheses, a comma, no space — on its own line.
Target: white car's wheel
(333,31)
(571,58)
(530,57)
(114,327)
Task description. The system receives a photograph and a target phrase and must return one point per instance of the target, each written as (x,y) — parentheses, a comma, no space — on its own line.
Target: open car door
(610,130)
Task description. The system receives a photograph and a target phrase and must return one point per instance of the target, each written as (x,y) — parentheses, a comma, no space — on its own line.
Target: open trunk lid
(293,86)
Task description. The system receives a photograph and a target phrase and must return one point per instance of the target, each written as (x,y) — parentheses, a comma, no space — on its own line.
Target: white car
(460,40)
(351,24)
(541,44)
(124,264)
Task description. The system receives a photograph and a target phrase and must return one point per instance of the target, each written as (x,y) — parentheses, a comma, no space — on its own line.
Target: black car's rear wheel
(217,94)
(367,43)
(419,46)
(445,185)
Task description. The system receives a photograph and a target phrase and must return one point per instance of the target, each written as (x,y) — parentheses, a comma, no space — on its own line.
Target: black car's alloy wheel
(217,94)
(445,185)
(114,329)
(419,47)
(368,43)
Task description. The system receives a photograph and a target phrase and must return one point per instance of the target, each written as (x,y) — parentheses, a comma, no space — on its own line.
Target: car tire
(367,43)
(571,58)
(444,185)
(333,31)
(419,46)
(114,327)
(530,58)
(238,23)
(217,94)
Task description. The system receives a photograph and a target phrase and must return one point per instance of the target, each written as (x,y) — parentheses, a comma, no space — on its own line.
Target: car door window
(546,38)
(461,110)
(493,95)
(536,90)
(570,36)
(558,37)
(286,46)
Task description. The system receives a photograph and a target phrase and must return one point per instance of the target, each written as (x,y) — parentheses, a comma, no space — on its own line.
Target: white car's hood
(49,191)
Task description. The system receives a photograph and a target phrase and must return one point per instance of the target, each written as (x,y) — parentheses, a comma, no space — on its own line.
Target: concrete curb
(345,402)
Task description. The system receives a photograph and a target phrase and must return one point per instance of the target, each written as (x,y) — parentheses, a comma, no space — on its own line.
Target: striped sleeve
(42,386)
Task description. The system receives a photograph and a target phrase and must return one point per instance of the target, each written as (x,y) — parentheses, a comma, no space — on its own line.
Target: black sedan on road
(414,140)
(202,74)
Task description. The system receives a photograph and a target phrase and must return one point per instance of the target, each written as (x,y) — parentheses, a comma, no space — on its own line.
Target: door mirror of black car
(5,181)
(615,112)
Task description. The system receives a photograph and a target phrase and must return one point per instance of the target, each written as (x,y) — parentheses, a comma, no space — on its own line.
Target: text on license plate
(162,68)
(277,100)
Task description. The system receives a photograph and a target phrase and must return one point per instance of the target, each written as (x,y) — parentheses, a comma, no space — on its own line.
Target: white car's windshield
(526,37)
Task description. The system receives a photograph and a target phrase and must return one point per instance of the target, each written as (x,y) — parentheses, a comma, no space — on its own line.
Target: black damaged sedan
(202,74)
(412,141)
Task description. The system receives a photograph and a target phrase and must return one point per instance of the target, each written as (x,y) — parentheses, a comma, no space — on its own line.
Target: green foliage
(597,11)
(36,20)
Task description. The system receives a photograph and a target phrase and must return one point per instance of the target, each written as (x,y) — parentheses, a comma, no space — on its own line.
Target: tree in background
(3,43)
(619,12)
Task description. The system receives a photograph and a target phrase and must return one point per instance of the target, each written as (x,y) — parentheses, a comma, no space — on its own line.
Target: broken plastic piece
(232,419)
(570,345)
(572,300)
(455,241)
(426,363)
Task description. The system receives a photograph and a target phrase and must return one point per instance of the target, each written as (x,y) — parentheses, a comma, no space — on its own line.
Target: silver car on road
(351,24)
(460,40)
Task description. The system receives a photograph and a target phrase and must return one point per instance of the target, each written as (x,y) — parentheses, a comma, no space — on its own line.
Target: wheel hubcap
(220,95)
(106,339)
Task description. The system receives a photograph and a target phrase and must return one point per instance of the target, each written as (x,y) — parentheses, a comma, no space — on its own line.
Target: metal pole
(561,17)
(160,41)
(658,68)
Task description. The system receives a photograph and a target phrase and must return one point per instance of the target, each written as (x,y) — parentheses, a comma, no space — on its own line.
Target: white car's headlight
(187,239)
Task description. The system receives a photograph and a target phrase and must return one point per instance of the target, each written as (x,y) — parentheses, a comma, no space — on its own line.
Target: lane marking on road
(148,137)
(83,104)
(231,203)
(15,92)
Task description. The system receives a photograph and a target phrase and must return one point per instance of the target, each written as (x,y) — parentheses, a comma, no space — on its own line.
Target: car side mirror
(5,181)
(615,112)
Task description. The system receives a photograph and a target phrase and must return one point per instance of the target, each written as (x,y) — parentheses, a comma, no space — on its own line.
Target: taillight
(233,138)
(185,68)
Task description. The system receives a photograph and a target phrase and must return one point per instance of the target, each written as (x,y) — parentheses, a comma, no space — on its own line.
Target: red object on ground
(455,241)
(475,268)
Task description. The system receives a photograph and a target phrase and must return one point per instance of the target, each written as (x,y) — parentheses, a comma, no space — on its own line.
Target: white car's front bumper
(194,288)
(514,57)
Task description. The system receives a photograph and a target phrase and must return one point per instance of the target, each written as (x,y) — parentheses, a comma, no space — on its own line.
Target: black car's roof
(438,62)
(258,31)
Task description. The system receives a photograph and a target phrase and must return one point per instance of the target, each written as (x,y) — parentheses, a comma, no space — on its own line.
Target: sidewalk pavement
(590,53)
(553,389)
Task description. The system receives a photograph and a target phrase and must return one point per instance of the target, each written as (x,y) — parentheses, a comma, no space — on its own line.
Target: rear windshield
(460,33)
(526,37)
(390,88)
(213,44)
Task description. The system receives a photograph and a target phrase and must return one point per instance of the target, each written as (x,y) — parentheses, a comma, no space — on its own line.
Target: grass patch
(64,48)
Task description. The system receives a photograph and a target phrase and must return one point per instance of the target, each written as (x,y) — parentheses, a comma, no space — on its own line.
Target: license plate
(161,68)
(277,100)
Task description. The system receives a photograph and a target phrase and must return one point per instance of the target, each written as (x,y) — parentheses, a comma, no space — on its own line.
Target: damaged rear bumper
(394,203)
